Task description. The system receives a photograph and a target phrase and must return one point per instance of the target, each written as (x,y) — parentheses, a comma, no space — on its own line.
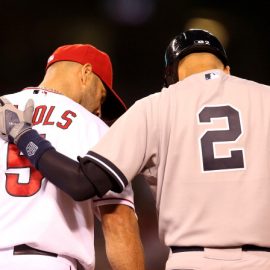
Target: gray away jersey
(204,146)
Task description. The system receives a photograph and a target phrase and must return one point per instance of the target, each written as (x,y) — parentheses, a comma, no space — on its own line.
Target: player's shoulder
(39,95)
(154,100)
(18,98)
(43,97)
(248,83)
(148,101)
(88,116)
(14,96)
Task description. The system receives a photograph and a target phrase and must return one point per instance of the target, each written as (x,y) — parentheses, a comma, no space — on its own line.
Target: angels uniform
(33,211)
(203,144)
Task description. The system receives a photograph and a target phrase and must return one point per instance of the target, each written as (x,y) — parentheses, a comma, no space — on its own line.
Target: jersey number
(210,162)
(22,179)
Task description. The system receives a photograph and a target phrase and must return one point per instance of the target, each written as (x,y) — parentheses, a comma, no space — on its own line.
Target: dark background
(135,34)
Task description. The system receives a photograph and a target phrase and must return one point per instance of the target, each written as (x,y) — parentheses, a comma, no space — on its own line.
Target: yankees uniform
(203,144)
(36,217)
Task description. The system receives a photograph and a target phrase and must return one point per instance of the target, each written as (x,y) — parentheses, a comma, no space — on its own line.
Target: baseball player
(41,227)
(202,142)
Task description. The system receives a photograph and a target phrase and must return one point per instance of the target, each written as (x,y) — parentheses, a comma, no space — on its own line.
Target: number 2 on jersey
(210,137)
(22,179)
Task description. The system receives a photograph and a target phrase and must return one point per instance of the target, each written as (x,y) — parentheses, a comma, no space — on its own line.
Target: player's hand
(13,122)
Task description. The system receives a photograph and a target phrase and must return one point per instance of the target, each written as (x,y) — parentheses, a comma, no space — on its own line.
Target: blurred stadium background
(135,34)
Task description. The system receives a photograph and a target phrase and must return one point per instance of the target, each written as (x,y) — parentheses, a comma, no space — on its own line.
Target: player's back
(214,175)
(33,210)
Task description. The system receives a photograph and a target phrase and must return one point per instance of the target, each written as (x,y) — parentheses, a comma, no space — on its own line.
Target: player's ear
(86,71)
(227,70)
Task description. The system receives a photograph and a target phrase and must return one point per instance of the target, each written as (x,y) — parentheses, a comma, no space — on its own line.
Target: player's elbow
(80,196)
(82,191)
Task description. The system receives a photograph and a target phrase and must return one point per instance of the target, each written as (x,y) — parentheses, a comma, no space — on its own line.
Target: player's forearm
(62,171)
(66,174)
(122,238)
(129,258)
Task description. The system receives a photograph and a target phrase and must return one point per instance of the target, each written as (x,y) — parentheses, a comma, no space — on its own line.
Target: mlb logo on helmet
(202,42)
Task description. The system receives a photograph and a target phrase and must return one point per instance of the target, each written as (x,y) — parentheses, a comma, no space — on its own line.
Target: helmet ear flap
(171,74)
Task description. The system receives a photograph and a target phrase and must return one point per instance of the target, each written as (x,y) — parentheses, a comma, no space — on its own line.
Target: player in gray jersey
(203,145)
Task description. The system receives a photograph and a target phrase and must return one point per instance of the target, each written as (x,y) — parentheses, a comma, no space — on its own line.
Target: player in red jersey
(42,227)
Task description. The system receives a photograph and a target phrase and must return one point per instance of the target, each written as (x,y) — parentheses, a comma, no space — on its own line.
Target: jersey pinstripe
(33,211)
(203,145)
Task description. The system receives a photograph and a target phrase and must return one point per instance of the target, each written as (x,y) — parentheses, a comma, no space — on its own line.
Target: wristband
(33,146)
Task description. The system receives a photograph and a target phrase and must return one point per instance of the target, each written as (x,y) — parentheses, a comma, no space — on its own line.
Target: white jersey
(204,145)
(33,211)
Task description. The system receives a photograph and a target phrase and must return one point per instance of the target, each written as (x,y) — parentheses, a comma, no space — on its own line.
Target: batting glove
(13,122)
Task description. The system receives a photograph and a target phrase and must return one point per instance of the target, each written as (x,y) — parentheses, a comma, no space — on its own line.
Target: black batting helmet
(190,41)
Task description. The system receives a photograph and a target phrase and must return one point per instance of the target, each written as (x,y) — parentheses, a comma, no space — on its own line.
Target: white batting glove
(13,122)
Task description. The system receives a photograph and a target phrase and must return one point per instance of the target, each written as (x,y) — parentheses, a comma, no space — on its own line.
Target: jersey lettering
(67,116)
(211,137)
(48,116)
(44,115)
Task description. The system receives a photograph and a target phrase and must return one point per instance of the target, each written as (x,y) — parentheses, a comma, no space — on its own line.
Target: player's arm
(122,237)
(81,181)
